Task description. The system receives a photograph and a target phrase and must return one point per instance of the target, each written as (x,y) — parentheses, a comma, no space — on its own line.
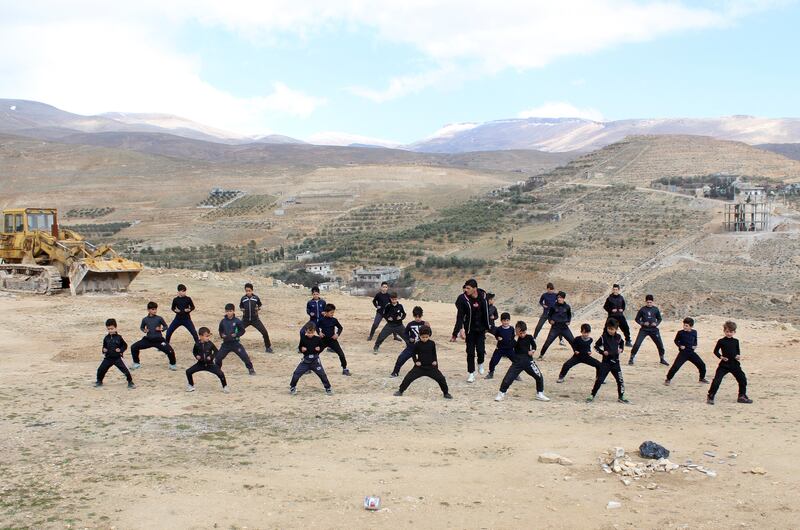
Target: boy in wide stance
(153,325)
(205,352)
(524,348)
(329,330)
(310,346)
(582,353)
(610,346)
(425,364)
(686,341)
(230,330)
(113,348)
(727,350)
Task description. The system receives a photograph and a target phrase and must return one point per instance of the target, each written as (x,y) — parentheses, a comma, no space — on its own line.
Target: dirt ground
(157,457)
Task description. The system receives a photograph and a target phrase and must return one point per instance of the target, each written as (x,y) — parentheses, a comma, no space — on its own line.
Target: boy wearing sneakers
(615,308)
(114,347)
(329,330)
(394,315)
(250,304)
(505,343)
(230,330)
(473,318)
(492,312)
(686,341)
(582,353)
(727,350)
(412,337)
(648,318)
(380,300)
(524,348)
(315,309)
(311,347)
(546,301)
(610,346)
(205,353)
(560,315)
(425,364)
(153,325)
(182,306)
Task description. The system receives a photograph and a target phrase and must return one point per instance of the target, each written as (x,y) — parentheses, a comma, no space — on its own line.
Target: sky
(343,71)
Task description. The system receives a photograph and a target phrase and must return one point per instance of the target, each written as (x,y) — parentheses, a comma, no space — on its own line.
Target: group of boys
(476,317)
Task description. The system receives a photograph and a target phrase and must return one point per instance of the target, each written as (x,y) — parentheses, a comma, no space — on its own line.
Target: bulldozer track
(33,279)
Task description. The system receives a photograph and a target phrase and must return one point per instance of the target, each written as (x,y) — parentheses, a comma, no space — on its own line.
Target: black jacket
(612,345)
(493,316)
(728,348)
(230,329)
(313,346)
(179,306)
(505,338)
(524,347)
(112,343)
(380,300)
(473,313)
(204,352)
(150,326)
(560,313)
(425,353)
(329,326)
(583,347)
(648,315)
(687,339)
(394,314)
(615,302)
(412,330)
(250,306)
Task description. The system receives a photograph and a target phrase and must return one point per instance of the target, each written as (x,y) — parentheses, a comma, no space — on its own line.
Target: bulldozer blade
(98,275)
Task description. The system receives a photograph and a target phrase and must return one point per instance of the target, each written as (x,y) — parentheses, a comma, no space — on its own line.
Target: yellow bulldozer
(37,256)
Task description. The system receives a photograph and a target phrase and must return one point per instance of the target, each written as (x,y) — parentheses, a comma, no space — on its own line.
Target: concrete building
(323,269)
(373,277)
(306,256)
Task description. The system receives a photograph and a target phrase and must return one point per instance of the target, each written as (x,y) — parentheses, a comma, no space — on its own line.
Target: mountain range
(554,135)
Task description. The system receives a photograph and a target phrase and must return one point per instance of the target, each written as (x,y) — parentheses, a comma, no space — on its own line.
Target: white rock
(617,452)
(710,454)
(625,481)
(549,458)
(710,473)
(613,505)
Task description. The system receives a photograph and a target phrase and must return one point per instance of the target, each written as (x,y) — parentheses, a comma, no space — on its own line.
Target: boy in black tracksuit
(615,308)
(311,347)
(394,314)
(649,318)
(425,364)
(582,349)
(473,317)
(524,348)
(205,352)
(315,309)
(230,330)
(560,315)
(493,314)
(412,337)
(727,350)
(250,304)
(113,348)
(182,306)
(380,300)
(152,325)
(505,343)
(546,301)
(329,330)
(610,346)
(686,341)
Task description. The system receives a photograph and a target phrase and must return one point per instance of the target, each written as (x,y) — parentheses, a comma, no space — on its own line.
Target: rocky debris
(629,469)
(758,471)
(710,454)
(613,505)
(618,452)
(554,458)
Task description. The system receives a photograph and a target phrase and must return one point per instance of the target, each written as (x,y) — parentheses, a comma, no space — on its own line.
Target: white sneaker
(189,388)
(226,390)
(480,369)
(471,377)
(541,397)
(173,367)
(500,396)
(135,366)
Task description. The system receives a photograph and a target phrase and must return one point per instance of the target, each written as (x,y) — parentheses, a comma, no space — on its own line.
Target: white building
(323,269)
(375,276)
(305,256)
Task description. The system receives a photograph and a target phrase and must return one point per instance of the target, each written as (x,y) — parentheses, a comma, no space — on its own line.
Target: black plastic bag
(650,449)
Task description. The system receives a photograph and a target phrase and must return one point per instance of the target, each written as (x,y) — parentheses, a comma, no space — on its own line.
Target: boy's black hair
(561,294)
(612,323)
(425,330)
(204,331)
(152,305)
(615,286)
(310,327)
(521,326)
(689,320)
(330,307)
(230,307)
(730,325)
(248,285)
(181,287)
(586,328)
(472,283)
(385,283)
(393,295)
(315,289)
(111,322)
(417,311)
(505,316)
(648,298)
(550,286)
(489,296)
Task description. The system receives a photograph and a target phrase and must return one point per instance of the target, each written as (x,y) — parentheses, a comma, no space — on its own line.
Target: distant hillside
(574,134)
(788,150)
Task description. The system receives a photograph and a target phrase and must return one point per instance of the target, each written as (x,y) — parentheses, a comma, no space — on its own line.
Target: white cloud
(452,129)
(561,109)
(343,138)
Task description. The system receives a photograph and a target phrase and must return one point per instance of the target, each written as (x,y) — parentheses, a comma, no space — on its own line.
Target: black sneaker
(744,399)
(98,384)
(269,349)
(345,371)
(623,399)
(252,372)
(664,361)
(329,391)
(541,357)
(560,380)
(704,381)
(490,375)
(131,385)
(369,339)
(630,361)
(375,351)
(448,396)
(394,375)
(710,400)
(293,390)
(397,393)
(667,382)
(628,343)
